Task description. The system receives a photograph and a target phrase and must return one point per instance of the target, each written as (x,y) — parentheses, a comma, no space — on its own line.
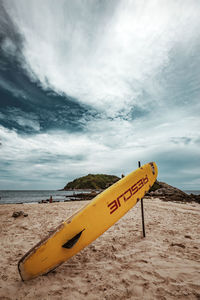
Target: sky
(90,86)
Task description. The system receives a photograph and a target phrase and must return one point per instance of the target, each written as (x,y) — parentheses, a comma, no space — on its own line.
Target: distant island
(92,181)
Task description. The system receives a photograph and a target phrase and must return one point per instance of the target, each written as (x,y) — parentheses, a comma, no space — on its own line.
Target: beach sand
(120,264)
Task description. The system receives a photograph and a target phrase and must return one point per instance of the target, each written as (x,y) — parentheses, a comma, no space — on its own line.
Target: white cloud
(47,157)
(103,59)
(9,47)
(114,147)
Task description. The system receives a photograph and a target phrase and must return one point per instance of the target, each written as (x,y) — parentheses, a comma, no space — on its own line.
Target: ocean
(34,196)
(8,197)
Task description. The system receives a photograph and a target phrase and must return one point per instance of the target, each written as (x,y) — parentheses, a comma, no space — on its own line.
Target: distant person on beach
(51,199)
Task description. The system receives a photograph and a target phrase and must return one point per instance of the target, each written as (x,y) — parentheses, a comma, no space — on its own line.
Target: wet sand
(120,264)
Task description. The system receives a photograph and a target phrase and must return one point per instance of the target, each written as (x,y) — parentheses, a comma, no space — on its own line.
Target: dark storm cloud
(181,140)
(179,167)
(22,97)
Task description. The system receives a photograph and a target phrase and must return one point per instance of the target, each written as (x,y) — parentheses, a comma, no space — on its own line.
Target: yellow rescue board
(88,223)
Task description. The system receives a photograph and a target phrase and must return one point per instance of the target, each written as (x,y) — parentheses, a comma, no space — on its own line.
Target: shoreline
(19,197)
(82,200)
(164,191)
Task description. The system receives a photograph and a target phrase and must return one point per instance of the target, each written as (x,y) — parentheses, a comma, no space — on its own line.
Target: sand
(120,264)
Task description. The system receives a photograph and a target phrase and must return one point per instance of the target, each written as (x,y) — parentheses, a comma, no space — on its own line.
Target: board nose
(154,168)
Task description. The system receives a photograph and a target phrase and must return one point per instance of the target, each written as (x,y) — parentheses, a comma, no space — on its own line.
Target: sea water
(34,196)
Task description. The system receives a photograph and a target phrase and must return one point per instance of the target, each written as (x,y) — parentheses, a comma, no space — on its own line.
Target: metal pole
(142,209)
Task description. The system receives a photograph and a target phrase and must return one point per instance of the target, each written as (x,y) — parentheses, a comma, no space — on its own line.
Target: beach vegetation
(92,181)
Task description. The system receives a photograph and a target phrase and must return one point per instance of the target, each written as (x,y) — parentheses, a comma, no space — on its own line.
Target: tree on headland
(92,181)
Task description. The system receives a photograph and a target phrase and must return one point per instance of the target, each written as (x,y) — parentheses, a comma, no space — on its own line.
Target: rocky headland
(167,192)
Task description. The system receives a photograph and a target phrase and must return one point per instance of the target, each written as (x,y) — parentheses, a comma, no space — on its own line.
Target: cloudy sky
(91,86)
